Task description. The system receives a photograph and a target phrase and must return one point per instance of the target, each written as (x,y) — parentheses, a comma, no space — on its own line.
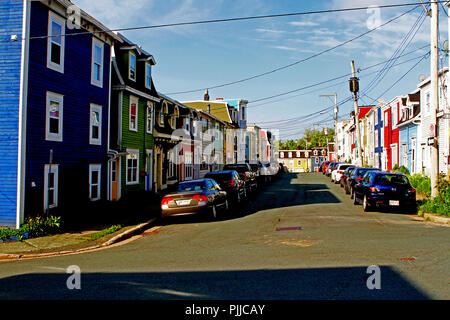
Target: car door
(364,186)
(220,194)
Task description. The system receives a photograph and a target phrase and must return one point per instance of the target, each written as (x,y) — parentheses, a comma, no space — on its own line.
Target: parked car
(324,166)
(246,173)
(338,171)
(331,167)
(203,196)
(345,175)
(385,189)
(356,177)
(230,181)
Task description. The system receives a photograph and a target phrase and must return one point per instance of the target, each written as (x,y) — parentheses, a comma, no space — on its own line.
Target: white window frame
(136,153)
(149,118)
(133,100)
(97,43)
(53,17)
(96,168)
(188,166)
(50,136)
(53,168)
(129,66)
(148,67)
(95,108)
(394,150)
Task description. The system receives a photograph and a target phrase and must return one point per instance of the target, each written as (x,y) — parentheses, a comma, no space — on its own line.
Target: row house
(390,113)
(54,96)
(343,143)
(296,160)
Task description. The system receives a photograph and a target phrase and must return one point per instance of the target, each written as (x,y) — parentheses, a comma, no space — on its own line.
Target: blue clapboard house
(54,105)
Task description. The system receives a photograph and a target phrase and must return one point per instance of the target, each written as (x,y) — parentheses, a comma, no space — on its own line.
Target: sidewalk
(68,243)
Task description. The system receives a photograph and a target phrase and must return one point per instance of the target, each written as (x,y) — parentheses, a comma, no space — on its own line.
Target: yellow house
(296,160)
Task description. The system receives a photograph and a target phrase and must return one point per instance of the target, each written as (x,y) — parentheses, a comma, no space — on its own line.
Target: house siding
(74,153)
(11,20)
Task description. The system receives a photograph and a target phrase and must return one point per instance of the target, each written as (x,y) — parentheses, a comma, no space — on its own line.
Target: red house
(391,115)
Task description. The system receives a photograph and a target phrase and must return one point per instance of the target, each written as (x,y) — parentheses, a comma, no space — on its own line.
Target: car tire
(366,205)
(355,199)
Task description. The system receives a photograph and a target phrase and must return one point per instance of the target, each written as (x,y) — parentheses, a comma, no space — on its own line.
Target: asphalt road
(300,238)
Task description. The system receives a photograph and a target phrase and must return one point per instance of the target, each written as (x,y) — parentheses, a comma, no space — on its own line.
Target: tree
(312,138)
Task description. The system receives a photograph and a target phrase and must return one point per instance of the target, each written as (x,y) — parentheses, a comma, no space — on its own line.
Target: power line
(298,61)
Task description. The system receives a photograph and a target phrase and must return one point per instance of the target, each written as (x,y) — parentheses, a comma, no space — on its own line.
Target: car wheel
(366,205)
(355,199)
(214,212)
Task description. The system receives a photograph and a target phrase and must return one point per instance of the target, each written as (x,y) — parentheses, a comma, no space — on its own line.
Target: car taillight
(412,190)
(340,171)
(358,178)
(200,197)
(165,201)
(374,189)
(231,183)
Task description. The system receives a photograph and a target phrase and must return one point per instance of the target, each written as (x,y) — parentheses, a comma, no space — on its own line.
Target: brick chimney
(206,96)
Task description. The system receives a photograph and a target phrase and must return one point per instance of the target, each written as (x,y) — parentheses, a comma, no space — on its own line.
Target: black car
(356,177)
(345,176)
(195,197)
(385,189)
(230,181)
(245,173)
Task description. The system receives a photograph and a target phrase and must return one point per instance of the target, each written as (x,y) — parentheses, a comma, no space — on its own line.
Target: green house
(133,101)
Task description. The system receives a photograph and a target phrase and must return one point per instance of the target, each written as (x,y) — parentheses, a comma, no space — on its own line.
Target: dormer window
(55,42)
(173,118)
(148,75)
(132,67)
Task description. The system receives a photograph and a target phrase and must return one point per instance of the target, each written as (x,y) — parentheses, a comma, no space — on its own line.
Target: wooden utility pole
(354,88)
(434,165)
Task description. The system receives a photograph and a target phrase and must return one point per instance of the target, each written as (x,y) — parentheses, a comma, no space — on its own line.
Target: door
(113,174)
(149,169)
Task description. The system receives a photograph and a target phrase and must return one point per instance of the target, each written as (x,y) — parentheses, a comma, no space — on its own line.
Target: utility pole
(434,96)
(354,88)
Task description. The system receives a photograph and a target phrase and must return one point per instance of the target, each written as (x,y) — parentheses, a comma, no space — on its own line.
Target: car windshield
(362,171)
(391,180)
(239,168)
(191,186)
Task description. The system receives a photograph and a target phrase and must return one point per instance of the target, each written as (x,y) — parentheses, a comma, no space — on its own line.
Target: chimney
(206,96)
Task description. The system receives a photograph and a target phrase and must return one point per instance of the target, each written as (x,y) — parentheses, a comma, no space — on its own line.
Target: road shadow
(340,283)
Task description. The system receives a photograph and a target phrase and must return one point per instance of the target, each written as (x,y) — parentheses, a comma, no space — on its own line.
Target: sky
(206,55)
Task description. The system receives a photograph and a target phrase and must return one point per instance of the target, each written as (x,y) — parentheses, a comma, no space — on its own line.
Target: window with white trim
(132,166)
(54,117)
(97,63)
(55,42)
(148,75)
(133,117)
(132,66)
(50,186)
(94,181)
(95,126)
(149,121)
(188,165)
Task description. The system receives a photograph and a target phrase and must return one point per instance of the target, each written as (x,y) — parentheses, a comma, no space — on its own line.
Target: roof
(218,109)
(363,110)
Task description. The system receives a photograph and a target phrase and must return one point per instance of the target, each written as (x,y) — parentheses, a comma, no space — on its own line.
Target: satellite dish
(422,78)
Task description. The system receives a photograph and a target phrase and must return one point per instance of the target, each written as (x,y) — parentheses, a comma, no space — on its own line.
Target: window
(394,154)
(204,125)
(149,117)
(161,114)
(428,101)
(54,117)
(132,166)
(281,154)
(298,154)
(94,181)
(187,124)
(148,75)
(404,155)
(173,118)
(95,128)
(290,154)
(133,124)
(55,42)
(188,165)
(132,67)
(97,63)
(50,186)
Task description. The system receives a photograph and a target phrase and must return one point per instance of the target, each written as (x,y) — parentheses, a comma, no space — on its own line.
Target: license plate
(394,202)
(183,202)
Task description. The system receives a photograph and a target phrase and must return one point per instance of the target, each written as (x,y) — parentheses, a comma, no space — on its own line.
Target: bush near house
(441,203)
(421,183)
(401,169)
(33,228)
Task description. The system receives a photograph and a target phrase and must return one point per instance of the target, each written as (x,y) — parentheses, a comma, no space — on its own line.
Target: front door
(114,167)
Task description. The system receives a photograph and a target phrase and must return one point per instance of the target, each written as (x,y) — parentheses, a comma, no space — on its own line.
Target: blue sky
(200,56)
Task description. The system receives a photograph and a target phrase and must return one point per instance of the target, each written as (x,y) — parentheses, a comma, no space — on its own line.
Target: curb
(120,237)
(436,219)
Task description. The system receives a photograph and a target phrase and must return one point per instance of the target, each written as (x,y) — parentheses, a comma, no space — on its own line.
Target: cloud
(304,23)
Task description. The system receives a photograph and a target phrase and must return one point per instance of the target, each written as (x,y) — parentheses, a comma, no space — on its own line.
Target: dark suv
(245,173)
(230,181)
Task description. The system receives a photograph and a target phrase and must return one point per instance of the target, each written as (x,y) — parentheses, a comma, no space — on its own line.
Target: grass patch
(102,233)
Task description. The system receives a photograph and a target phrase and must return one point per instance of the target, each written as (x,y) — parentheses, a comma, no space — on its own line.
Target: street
(299,238)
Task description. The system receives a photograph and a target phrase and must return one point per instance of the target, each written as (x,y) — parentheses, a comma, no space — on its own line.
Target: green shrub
(441,203)
(32,228)
(421,183)
(401,169)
